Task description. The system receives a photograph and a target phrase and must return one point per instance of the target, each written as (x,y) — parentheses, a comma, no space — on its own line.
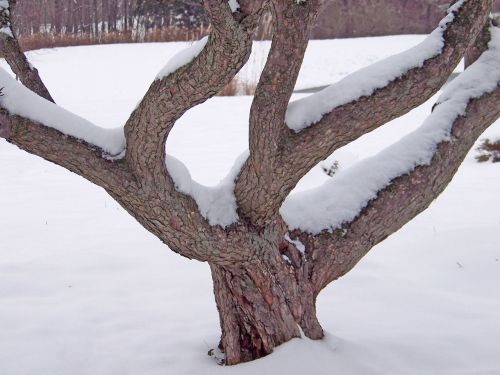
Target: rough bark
(254,314)
(480,44)
(265,286)
(263,302)
(291,30)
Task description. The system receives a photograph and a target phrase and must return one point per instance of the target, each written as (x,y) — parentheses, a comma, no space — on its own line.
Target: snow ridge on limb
(217,204)
(335,254)
(184,57)
(305,112)
(342,199)
(20,101)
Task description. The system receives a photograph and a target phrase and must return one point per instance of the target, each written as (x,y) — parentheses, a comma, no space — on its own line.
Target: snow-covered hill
(85,290)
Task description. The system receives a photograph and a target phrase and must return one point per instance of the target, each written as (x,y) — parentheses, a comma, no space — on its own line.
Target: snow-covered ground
(85,290)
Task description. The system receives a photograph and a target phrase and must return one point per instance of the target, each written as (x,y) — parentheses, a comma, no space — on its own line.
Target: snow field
(85,290)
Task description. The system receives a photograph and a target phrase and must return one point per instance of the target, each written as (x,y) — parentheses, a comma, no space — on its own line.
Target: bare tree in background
(66,16)
(105,16)
(268,272)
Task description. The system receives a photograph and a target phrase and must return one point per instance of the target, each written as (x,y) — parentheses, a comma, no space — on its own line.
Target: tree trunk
(261,305)
(58,16)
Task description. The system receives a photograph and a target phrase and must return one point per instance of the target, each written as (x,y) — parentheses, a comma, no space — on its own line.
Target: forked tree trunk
(265,283)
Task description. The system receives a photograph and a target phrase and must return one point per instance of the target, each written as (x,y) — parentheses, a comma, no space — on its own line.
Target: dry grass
(238,87)
(489,151)
(48,40)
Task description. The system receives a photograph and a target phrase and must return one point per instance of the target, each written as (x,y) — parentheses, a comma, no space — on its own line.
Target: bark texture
(266,277)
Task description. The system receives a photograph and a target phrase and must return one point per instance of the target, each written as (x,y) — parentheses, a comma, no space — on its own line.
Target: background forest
(51,23)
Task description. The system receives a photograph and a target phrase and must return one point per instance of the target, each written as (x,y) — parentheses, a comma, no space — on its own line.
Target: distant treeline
(67,22)
(52,23)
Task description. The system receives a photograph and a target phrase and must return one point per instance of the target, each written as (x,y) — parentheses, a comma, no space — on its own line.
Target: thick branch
(348,122)
(292,23)
(301,151)
(71,153)
(334,254)
(407,196)
(18,62)
(168,98)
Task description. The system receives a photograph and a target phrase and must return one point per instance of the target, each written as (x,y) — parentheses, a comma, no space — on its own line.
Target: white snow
(184,57)
(297,243)
(4,4)
(307,111)
(234,5)
(6,30)
(83,286)
(217,203)
(341,199)
(18,100)
(286,259)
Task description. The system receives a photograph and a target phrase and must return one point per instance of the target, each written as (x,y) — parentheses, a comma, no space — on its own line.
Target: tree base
(257,313)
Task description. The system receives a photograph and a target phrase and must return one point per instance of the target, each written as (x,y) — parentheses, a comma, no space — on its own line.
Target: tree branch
(168,98)
(334,254)
(71,153)
(299,152)
(292,24)
(406,197)
(36,138)
(346,122)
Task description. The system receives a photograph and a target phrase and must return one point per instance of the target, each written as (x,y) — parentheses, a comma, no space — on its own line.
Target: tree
(270,255)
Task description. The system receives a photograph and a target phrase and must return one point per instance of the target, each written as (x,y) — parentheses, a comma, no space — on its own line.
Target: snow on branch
(305,112)
(234,5)
(341,199)
(19,100)
(184,57)
(217,204)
